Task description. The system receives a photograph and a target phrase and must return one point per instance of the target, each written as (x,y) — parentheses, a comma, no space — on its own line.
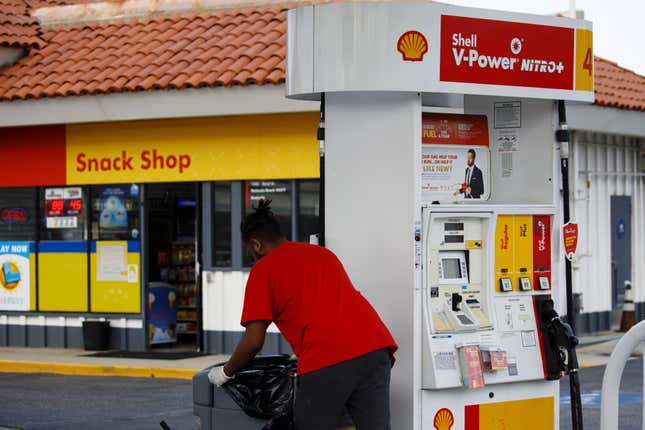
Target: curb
(80,369)
(591,364)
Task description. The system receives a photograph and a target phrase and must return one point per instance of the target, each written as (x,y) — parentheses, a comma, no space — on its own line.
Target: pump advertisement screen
(455,157)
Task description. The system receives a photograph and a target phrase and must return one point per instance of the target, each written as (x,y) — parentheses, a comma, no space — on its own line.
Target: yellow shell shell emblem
(443,419)
(412,45)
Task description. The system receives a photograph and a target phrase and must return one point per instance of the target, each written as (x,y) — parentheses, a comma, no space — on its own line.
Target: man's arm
(248,347)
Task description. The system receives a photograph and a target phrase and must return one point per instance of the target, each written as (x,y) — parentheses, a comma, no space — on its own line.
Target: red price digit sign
(56,207)
(76,205)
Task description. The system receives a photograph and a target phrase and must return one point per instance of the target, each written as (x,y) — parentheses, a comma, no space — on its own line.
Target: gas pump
(442,197)
(482,303)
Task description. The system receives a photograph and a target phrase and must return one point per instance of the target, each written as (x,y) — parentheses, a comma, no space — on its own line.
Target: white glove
(217,376)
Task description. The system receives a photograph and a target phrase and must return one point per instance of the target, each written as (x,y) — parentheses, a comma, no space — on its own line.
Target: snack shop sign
(133,163)
(126,161)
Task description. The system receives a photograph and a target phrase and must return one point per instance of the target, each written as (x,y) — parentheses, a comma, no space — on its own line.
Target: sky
(618,25)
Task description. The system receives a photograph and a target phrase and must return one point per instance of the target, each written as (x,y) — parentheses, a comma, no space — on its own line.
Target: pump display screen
(451,268)
(454,226)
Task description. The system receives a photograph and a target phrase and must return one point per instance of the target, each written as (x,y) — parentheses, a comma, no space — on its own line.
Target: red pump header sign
(492,52)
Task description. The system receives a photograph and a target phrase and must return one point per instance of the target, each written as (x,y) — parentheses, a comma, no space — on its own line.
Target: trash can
(216,409)
(96,335)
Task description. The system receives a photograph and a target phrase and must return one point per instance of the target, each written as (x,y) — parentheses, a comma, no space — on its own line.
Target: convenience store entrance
(173,287)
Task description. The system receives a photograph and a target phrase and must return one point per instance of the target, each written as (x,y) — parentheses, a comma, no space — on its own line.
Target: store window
(115,212)
(295,203)
(308,209)
(280,194)
(18,214)
(63,213)
(222,205)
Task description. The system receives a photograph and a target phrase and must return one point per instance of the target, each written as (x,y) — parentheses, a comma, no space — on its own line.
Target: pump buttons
(544,283)
(525,284)
(505,285)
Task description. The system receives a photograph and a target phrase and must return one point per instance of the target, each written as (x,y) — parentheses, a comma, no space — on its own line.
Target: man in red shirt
(344,350)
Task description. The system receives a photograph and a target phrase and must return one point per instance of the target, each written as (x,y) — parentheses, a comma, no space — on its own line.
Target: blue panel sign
(620,228)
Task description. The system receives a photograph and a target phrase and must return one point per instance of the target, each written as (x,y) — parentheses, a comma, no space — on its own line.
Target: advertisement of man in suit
(473,186)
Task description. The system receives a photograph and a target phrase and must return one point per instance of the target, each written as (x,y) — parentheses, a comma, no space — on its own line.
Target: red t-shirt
(306,292)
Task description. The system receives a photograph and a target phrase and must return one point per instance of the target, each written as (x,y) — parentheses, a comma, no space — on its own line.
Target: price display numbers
(73,206)
(55,207)
(64,207)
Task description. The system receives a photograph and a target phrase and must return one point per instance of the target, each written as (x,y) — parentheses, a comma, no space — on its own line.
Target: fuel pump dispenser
(464,311)
(442,195)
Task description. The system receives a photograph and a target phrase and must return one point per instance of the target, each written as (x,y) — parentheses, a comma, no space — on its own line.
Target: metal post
(321,151)
(563,137)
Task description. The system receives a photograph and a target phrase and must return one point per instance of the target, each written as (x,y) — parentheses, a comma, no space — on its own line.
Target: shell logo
(443,419)
(412,45)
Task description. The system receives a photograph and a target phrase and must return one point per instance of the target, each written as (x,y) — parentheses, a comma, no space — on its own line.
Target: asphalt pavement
(63,402)
(631,397)
(53,402)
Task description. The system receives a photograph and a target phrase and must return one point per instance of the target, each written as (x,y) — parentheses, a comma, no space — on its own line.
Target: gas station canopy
(433,48)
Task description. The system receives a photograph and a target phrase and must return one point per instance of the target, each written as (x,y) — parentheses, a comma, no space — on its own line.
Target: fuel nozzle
(548,311)
(456,302)
(562,336)
(563,333)
(561,339)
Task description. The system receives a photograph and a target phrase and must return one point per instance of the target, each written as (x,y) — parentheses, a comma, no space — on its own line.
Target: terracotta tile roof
(618,87)
(35,4)
(17,28)
(226,48)
(210,49)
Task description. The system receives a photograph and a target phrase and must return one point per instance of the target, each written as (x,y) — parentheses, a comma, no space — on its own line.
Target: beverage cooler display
(177,268)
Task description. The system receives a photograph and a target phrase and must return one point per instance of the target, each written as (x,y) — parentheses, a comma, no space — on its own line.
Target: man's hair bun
(264,208)
(261,223)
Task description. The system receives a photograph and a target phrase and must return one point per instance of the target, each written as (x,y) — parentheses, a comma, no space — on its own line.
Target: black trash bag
(265,389)
(282,422)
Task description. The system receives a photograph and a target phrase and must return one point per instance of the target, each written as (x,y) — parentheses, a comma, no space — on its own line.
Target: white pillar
(373,150)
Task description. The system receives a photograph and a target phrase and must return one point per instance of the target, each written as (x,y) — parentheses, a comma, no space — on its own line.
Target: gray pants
(361,384)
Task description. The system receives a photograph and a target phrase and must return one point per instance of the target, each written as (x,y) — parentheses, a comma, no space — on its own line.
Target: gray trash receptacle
(96,335)
(215,408)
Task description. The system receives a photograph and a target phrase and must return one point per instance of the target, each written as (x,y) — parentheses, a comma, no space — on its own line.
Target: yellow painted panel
(523,247)
(276,146)
(62,282)
(110,296)
(32,277)
(532,414)
(584,60)
(504,250)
